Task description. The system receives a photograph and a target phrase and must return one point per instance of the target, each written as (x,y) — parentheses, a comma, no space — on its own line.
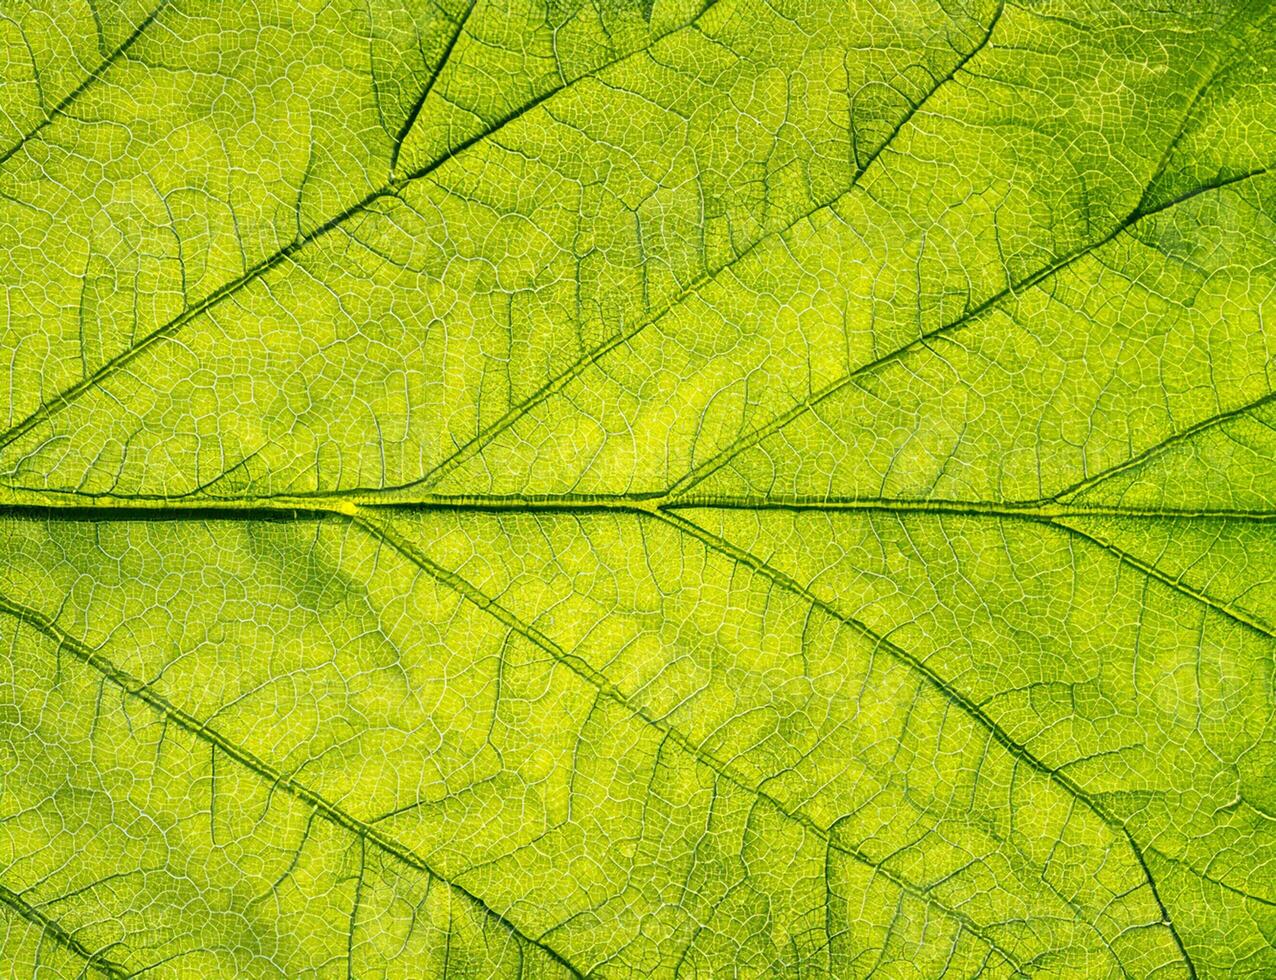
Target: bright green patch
(625,489)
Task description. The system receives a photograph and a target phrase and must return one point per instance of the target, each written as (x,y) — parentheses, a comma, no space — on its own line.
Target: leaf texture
(675,489)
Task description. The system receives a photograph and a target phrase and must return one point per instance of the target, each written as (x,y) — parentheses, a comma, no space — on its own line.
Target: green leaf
(638,489)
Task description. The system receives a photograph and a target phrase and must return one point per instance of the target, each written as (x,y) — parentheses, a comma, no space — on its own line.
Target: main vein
(72,504)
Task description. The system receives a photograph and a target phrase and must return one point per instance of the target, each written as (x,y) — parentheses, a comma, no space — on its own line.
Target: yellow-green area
(563,488)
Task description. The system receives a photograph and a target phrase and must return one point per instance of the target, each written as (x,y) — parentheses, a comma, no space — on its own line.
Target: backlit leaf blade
(638,489)
(564,769)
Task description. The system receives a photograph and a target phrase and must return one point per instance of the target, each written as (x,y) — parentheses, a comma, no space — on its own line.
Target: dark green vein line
(971,316)
(1166,919)
(1056,514)
(1059,516)
(1161,855)
(537,100)
(67,396)
(63,938)
(74,505)
(192,725)
(1038,509)
(1231,612)
(1223,33)
(89,80)
(946,690)
(417,106)
(961,63)
(605,687)
(468,449)
(1205,188)
(1152,451)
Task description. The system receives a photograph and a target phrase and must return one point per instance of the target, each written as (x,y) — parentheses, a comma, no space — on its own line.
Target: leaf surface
(667,489)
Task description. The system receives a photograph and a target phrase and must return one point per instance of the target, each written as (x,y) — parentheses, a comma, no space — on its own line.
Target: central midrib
(75,504)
